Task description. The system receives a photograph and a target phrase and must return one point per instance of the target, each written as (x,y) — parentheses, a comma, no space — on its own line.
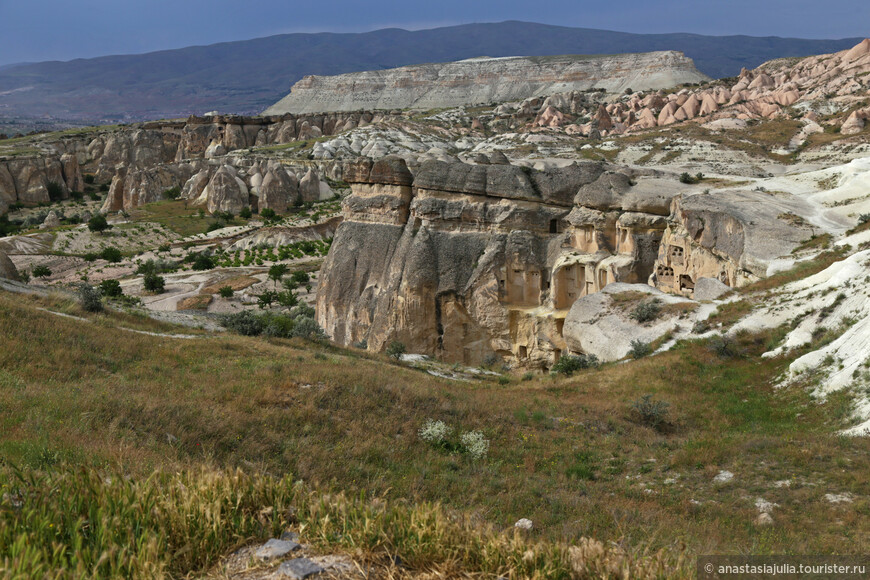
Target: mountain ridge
(247,76)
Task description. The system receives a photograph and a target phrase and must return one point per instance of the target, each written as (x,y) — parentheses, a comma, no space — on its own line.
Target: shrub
(155,266)
(172,192)
(639,349)
(98,223)
(308,329)
(153,283)
(276,272)
(300,277)
(111,254)
(90,256)
(302,310)
(651,412)
(41,271)
(491,360)
(111,288)
(225,216)
(203,261)
(362,345)
(864,218)
(268,214)
(226,292)
(474,444)
(723,345)
(245,213)
(55,191)
(267,298)
(435,432)
(89,298)
(646,311)
(245,323)
(395,350)
(216,225)
(287,299)
(690,179)
(569,364)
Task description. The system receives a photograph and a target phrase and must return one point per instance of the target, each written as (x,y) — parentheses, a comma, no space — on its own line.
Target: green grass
(91,395)
(177,217)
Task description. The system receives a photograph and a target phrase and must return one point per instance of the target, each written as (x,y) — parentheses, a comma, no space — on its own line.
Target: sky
(38,30)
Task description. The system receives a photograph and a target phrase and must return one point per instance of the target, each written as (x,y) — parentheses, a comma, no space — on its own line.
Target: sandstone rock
(854,123)
(299,569)
(710,289)
(481,80)
(51,220)
(216,149)
(523,524)
(278,191)
(764,519)
(597,325)
(72,174)
(498,158)
(309,186)
(275,549)
(226,191)
(7,268)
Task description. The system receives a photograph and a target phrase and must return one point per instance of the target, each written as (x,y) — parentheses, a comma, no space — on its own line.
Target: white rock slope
(485,80)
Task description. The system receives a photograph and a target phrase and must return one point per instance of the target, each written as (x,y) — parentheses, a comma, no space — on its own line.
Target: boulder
(7,268)
(51,220)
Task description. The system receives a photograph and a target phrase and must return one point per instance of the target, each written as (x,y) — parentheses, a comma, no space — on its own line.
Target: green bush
(89,298)
(40,271)
(569,364)
(90,256)
(111,288)
(639,349)
(111,254)
(245,213)
(864,218)
(98,223)
(245,323)
(267,298)
(308,329)
(287,299)
(268,214)
(153,282)
(226,292)
(55,190)
(650,412)
(172,192)
(646,311)
(203,261)
(395,350)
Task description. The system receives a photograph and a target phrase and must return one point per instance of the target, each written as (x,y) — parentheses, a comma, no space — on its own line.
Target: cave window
(686,282)
(554,226)
(560,324)
(522,352)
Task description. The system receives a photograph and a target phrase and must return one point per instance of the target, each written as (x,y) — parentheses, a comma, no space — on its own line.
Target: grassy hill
(247,76)
(274,423)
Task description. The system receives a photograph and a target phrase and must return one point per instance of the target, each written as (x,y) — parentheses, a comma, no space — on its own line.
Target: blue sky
(35,30)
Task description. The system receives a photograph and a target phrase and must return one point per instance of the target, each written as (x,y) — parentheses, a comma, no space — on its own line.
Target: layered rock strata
(464,261)
(486,80)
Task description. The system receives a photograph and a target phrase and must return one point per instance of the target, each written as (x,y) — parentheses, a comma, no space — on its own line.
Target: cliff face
(462,261)
(485,80)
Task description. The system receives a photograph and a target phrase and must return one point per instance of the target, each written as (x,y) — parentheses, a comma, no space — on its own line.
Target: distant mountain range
(245,77)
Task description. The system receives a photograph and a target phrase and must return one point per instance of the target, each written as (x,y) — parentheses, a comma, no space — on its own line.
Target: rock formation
(461,261)
(485,80)
(732,237)
(7,268)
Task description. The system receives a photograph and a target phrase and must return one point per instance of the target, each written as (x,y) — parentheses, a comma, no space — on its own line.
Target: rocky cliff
(463,261)
(485,80)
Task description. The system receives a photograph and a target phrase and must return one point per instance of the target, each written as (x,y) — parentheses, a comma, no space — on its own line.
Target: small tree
(226,292)
(111,254)
(276,272)
(569,364)
(89,298)
(111,288)
(245,213)
(268,214)
(395,350)
(41,271)
(153,282)
(98,224)
(266,299)
(300,277)
(287,299)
